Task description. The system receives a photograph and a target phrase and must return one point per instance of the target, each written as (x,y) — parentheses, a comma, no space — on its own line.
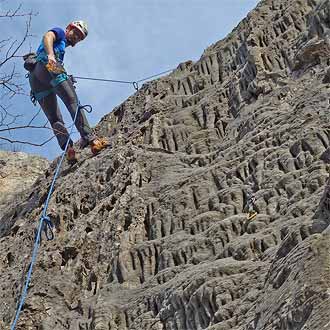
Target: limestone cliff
(151,234)
(18,171)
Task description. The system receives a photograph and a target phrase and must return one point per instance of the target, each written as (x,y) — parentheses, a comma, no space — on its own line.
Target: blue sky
(127,40)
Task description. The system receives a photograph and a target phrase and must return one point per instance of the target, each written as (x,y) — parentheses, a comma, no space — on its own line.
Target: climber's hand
(53,66)
(51,60)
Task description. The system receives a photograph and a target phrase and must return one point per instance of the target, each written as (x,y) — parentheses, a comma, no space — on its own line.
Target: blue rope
(44,224)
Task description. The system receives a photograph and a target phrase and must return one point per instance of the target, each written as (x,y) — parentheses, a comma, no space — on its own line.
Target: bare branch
(4,41)
(11,83)
(27,142)
(15,13)
(7,118)
(25,126)
(35,116)
(10,55)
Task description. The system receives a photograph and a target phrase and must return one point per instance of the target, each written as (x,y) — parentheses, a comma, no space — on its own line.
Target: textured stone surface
(151,234)
(18,171)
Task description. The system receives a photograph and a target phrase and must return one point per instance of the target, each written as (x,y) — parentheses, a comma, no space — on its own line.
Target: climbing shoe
(83,143)
(98,144)
(71,156)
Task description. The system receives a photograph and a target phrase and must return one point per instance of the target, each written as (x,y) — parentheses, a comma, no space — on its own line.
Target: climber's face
(73,36)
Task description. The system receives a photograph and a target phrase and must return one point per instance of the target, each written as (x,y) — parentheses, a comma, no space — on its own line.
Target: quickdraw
(250,208)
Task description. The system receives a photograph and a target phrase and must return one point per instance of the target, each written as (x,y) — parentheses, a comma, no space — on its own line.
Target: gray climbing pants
(40,79)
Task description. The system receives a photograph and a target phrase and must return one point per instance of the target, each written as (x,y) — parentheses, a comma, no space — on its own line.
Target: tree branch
(27,142)
(15,13)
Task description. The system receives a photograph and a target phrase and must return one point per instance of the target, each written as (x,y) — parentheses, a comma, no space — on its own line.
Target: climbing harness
(59,79)
(37,96)
(45,224)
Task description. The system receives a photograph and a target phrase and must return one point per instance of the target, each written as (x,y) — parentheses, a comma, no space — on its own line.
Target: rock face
(151,234)
(18,171)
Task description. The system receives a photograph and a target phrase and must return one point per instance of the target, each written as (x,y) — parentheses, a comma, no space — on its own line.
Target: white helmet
(81,26)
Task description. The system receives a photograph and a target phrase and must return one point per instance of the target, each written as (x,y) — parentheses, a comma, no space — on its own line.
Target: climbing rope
(135,83)
(45,223)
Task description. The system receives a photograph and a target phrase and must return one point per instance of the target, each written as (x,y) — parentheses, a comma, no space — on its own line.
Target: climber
(48,78)
(250,207)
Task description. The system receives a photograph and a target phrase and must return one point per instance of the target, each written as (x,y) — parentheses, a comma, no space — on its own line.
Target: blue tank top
(59,46)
